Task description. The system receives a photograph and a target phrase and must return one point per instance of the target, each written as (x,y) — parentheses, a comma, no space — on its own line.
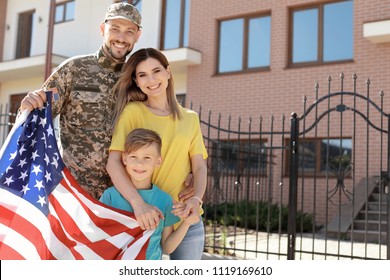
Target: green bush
(259,216)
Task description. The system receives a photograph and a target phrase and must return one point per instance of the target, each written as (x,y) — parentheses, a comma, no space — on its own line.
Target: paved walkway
(275,245)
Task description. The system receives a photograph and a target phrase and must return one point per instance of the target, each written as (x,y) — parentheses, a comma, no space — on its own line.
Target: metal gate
(318,190)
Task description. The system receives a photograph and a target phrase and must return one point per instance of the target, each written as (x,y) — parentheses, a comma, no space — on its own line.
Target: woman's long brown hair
(127,90)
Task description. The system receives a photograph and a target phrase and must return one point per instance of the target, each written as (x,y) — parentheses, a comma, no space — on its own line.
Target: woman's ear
(169,72)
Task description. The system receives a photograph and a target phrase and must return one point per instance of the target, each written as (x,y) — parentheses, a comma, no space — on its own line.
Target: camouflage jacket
(85,103)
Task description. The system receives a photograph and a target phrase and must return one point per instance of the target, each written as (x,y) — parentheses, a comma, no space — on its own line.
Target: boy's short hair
(141,137)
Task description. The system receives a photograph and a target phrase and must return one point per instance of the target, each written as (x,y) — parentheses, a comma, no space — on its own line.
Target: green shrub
(259,216)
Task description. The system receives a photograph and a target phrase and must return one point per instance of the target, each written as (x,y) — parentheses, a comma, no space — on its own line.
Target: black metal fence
(6,121)
(314,186)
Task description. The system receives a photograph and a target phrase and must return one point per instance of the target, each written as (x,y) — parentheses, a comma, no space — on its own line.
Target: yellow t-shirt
(181,139)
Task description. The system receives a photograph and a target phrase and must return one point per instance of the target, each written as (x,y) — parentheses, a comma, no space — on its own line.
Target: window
(181,98)
(244,44)
(322,156)
(15,100)
(175,26)
(25,27)
(241,156)
(64,11)
(322,33)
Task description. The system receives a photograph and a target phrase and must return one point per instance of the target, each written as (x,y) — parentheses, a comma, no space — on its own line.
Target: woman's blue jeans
(191,248)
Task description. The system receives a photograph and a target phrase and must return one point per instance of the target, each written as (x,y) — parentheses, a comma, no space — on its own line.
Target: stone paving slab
(275,244)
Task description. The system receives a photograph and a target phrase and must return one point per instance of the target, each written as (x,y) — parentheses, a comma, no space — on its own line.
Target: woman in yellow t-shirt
(146,99)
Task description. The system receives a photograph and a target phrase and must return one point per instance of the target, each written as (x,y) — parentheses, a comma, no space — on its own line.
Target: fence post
(293,187)
(387,190)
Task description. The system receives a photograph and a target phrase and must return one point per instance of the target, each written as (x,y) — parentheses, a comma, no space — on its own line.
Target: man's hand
(189,191)
(147,216)
(33,100)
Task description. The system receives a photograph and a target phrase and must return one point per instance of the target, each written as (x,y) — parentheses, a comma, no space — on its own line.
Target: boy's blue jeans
(191,248)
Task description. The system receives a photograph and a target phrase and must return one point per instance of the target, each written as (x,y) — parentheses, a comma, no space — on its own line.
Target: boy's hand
(189,211)
(178,208)
(148,217)
(192,207)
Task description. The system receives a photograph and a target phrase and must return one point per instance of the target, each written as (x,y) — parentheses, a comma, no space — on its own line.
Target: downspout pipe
(49,47)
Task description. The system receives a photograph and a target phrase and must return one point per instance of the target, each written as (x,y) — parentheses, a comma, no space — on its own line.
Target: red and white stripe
(78,227)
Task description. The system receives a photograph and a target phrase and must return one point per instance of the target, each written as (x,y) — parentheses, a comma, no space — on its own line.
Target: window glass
(340,153)
(138,4)
(231,45)
(305,36)
(186,24)
(176,25)
(69,11)
(241,156)
(59,13)
(259,47)
(338,31)
(181,98)
(307,156)
(172,24)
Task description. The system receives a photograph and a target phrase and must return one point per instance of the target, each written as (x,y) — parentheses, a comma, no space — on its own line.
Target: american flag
(45,214)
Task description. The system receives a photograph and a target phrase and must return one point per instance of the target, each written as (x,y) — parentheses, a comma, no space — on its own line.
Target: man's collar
(108,62)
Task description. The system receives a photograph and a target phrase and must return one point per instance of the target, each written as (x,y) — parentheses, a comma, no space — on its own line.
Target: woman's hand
(189,191)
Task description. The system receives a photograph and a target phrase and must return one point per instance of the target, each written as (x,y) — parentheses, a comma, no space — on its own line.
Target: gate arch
(355,196)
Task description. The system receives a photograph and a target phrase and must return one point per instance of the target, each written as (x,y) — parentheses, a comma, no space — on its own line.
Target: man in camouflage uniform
(83,86)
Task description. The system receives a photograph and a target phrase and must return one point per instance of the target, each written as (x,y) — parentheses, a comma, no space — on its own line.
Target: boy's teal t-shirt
(153,196)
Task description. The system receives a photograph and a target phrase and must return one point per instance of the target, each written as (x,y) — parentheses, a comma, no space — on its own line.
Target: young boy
(141,156)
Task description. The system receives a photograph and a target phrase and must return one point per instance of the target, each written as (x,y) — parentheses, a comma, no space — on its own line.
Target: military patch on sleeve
(54,90)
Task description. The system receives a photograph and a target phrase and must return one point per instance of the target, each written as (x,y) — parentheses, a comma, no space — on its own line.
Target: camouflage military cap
(124,11)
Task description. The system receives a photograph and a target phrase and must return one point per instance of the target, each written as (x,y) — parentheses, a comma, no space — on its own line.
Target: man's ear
(124,158)
(138,34)
(102,26)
